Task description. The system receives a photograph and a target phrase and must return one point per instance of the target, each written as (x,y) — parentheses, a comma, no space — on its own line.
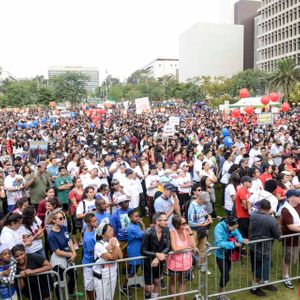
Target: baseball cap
(183,164)
(99,229)
(122,198)
(246,179)
(3,247)
(152,167)
(170,187)
(291,193)
(286,173)
(164,179)
(257,159)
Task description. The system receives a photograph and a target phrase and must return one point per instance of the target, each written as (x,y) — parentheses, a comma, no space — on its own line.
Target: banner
(265,119)
(36,150)
(169,130)
(174,121)
(142,105)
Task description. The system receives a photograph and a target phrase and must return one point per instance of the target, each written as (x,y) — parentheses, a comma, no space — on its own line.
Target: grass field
(240,275)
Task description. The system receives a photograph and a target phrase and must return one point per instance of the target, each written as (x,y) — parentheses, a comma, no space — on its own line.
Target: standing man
(262,226)
(63,185)
(155,245)
(242,206)
(276,152)
(290,223)
(168,202)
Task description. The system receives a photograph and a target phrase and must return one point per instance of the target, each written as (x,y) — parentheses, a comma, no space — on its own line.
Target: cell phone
(206,217)
(35,170)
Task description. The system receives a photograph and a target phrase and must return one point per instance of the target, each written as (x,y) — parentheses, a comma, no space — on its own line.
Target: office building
(279,35)
(210,50)
(245,12)
(163,66)
(5,75)
(91,72)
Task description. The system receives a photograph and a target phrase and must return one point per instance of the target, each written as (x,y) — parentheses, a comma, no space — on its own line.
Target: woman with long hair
(20,205)
(206,186)
(32,228)
(87,203)
(180,264)
(75,196)
(107,250)
(41,210)
(230,193)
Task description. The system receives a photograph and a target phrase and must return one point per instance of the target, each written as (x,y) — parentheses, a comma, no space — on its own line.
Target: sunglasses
(163,220)
(184,223)
(61,218)
(12,170)
(198,190)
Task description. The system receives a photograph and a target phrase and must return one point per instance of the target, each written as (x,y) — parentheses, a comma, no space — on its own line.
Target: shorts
(182,273)
(13,297)
(88,278)
(152,273)
(133,269)
(123,247)
(291,253)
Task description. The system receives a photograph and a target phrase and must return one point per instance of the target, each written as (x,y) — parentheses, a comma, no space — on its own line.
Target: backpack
(79,222)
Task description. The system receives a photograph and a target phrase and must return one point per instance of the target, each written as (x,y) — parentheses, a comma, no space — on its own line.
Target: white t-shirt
(72,169)
(164,205)
(256,186)
(103,171)
(133,188)
(94,182)
(295,181)
(13,182)
(197,169)
(183,180)
(85,179)
(100,249)
(10,237)
(89,206)
(117,172)
(229,192)
(151,179)
(259,195)
(139,172)
(36,244)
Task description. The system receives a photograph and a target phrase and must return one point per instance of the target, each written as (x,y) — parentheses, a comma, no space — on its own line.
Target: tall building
(91,72)
(279,35)
(5,75)
(245,12)
(163,66)
(210,50)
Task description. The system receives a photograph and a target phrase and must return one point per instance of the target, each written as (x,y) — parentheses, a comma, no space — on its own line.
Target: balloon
(236,113)
(274,97)
(244,93)
(228,141)
(44,120)
(36,123)
(225,132)
(92,125)
(285,107)
(249,110)
(51,119)
(19,124)
(265,100)
(72,115)
(24,125)
(91,112)
(30,125)
(54,124)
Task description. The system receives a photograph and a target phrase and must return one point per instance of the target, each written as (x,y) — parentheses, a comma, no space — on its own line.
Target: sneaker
(270,288)
(163,284)
(77,294)
(125,292)
(288,284)
(258,292)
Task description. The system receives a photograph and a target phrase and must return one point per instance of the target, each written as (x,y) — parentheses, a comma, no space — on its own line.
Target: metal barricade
(39,286)
(264,259)
(130,275)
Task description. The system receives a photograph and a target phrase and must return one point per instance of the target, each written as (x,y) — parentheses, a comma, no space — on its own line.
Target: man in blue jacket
(223,231)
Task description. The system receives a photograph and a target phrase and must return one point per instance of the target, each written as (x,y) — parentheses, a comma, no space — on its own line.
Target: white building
(211,50)
(91,72)
(279,32)
(5,75)
(163,66)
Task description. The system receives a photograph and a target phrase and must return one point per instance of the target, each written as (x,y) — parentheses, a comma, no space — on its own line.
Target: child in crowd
(8,267)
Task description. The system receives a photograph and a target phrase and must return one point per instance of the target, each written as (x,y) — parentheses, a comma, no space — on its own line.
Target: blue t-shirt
(104,217)
(59,240)
(135,235)
(6,291)
(89,242)
(120,222)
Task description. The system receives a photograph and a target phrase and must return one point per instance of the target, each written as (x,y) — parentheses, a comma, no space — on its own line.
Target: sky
(119,36)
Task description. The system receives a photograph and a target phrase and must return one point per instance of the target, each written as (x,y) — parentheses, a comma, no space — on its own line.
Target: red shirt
(264,177)
(241,194)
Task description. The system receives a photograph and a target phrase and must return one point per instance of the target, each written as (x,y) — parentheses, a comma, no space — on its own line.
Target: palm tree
(285,77)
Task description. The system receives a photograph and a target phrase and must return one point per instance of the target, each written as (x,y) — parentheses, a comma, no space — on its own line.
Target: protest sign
(174,121)
(265,118)
(169,130)
(142,105)
(37,149)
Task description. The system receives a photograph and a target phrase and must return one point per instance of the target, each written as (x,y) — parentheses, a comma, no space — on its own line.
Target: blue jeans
(41,252)
(10,208)
(261,266)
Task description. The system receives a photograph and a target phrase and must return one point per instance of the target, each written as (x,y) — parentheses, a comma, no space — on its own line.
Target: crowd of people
(116,186)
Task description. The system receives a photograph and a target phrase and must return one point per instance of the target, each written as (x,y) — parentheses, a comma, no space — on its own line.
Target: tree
(285,77)
(295,95)
(140,76)
(69,87)
(45,95)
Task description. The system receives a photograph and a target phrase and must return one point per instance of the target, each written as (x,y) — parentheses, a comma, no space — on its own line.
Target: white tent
(251,101)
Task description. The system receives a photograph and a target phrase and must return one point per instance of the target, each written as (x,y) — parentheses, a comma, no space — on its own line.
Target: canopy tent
(252,101)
